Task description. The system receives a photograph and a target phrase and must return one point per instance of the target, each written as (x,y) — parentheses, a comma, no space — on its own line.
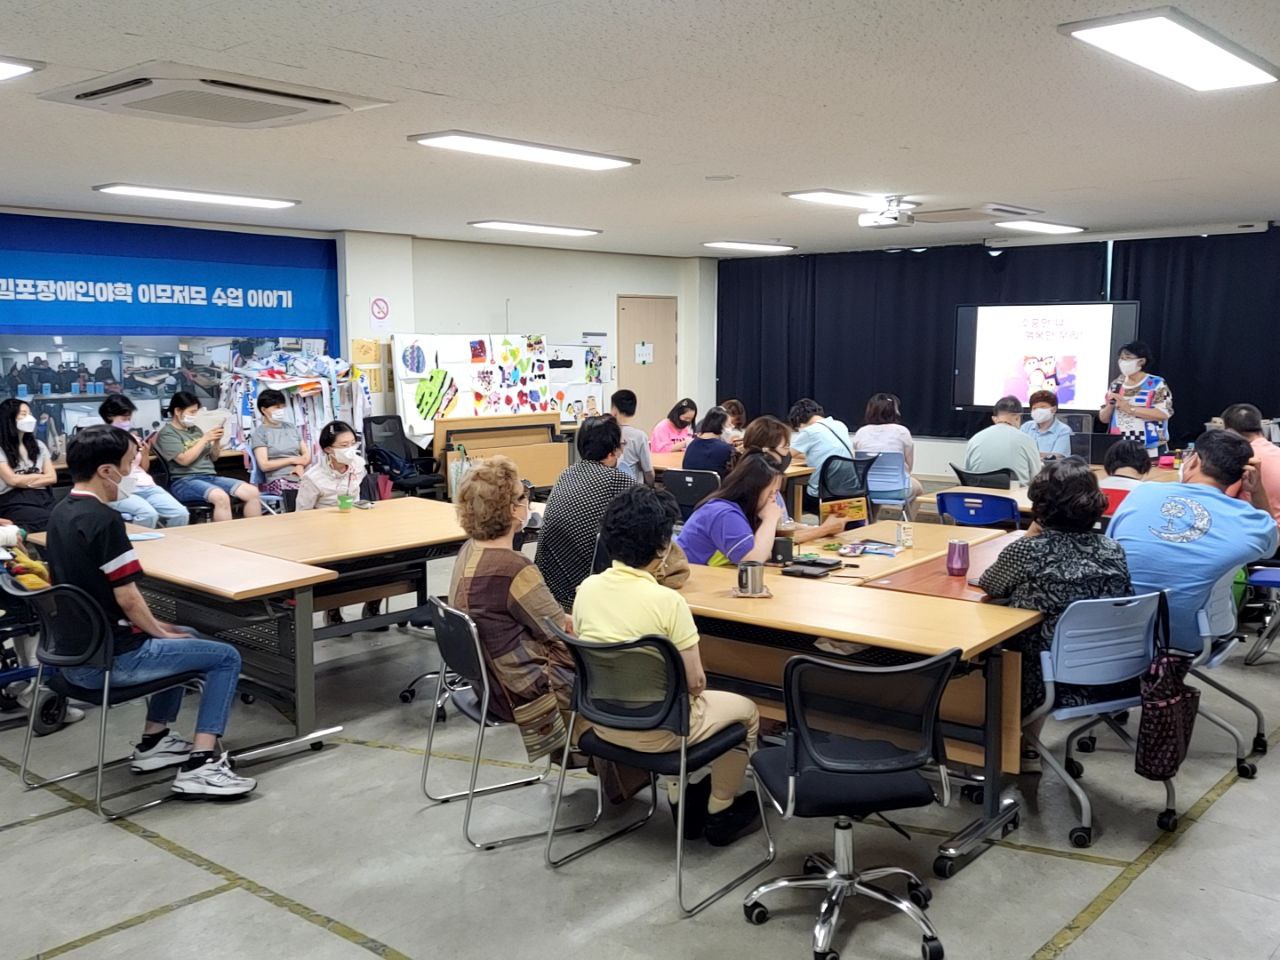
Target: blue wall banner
(69,276)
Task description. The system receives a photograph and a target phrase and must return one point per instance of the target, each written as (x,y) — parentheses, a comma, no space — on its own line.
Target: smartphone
(827,563)
(806,571)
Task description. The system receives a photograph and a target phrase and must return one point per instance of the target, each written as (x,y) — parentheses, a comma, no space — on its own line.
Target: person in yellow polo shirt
(625,602)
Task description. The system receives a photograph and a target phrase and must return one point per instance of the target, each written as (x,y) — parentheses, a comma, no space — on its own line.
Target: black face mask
(783,462)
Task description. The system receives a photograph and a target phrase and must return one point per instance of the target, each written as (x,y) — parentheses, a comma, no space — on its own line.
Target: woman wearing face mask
(1139,404)
(26,469)
(191,454)
(146,503)
(772,437)
(675,431)
(1052,436)
(278,448)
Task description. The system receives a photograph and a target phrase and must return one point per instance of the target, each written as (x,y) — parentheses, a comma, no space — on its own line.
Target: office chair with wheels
(391,454)
(640,685)
(888,475)
(690,487)
(1096,643)
(995,479)
(978,509)
(1266,579)
(464,658)
(74,632)
(858,738)
(201,511)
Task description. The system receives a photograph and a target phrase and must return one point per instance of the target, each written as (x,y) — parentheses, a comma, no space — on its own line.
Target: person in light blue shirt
(1052,436)
(1184,537)
(817,437)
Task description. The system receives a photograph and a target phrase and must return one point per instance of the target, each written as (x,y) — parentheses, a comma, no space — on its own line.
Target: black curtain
(1208,311)
(839,327)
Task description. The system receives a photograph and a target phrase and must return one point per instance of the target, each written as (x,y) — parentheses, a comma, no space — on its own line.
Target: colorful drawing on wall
(478,352)
(436,396)
(414,358)
(594,363)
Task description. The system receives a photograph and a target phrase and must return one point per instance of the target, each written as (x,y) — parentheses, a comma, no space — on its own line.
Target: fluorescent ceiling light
(1168,42)
(10,67)
(1038,226)
(520,150)
(841,198)
(752,247)
(534,228)
(193,196)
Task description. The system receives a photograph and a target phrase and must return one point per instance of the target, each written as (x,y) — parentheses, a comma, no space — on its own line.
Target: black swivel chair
(690,487)
(640,685)
(462,674)
(74,632)
(201,510)
(391,454)
(994,479)
(858,738)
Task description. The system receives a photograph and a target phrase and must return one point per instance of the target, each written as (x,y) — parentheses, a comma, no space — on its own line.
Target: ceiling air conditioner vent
(175,91)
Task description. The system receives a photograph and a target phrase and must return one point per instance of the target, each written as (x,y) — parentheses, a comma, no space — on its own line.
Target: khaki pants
(711,712)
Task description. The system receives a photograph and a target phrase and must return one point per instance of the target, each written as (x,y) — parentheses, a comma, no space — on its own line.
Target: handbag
(1169,707)
(542,726)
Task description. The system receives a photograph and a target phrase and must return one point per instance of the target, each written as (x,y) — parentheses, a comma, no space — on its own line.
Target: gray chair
(640,685)
(690,487)
(1097,643)
(858,738)
(461,675)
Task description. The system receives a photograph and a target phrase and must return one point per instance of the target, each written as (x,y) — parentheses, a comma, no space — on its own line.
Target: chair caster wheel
(812,867)
(1011,826)
(825,955)
(1246,770)
(945,867)
(1168,821)
(50,710)
(441,716)
(1081,837)
(1260,745)
(972,793)
(756,913)
(1074,768)
(931,949)
(1087,744)
(317,746)
(1122,717)
(919,894)
(248,698)
(408,695)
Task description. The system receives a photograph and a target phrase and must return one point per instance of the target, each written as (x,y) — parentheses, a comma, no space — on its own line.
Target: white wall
(492,288)
(375,265)
(934,456)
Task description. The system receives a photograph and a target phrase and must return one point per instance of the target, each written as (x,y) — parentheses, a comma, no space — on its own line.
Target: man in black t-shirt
(89,548)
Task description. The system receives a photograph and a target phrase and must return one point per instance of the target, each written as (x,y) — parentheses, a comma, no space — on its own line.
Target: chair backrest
(458,641)
(387,433)
(977,509)
(1114,499)
(888,472)
(637,685)
(1097,642)
(600,559)
(159,470)
(690,487)
(844,477)
(995,479)
(1217,617)
(856,718)
(74,630)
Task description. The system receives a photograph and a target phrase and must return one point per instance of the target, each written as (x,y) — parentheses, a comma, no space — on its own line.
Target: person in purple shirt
(1184,537)
(740,520)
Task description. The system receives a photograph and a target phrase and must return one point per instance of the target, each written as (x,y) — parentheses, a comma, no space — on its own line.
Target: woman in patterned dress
(1139,404)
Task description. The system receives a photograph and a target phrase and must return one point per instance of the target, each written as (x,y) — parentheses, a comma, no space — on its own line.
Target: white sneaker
(69,715)
(214,779)
(169,752)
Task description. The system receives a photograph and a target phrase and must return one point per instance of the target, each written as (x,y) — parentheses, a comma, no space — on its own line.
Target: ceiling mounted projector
(893,215)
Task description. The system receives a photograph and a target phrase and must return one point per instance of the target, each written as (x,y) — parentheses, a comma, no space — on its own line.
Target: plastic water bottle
(906,535)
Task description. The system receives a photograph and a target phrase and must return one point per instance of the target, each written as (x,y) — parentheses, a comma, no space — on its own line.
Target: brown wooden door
(648,320)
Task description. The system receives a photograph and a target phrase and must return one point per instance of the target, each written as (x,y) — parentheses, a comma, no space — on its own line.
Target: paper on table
(139,537)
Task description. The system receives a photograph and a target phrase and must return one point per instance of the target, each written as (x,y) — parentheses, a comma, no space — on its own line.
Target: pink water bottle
(957,557)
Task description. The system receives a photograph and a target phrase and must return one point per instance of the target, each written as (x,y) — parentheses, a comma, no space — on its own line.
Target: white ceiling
(954,102)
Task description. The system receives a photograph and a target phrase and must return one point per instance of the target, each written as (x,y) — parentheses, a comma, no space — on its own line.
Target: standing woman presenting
(1139,404)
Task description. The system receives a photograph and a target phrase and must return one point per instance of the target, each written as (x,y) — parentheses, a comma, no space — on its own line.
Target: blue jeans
(153,506)
(197,486)
(163,657)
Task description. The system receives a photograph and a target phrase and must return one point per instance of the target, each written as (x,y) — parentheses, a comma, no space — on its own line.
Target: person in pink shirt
(676,430)
(1246,420)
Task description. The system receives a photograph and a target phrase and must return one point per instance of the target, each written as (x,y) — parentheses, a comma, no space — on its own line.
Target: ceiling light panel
(488,146)
(1038,226)
(11,67)
(1168,42)
(535,228)
(193,196)
(842,198)
(749,247)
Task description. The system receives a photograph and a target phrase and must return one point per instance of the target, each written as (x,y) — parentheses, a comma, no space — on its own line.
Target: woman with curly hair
(504,593)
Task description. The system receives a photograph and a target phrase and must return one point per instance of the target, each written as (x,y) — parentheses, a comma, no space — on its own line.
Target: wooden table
(931,579)
(794,473)
(930,540)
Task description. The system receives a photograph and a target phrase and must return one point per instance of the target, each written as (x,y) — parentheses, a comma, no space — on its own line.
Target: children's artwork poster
(581,400)
(577,363)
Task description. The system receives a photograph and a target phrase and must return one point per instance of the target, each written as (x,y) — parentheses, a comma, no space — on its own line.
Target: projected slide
(1065,348)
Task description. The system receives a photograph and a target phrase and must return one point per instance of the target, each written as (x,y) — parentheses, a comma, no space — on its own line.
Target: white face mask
(125,487)
(276,416)
(26,424)
(1129,367)
(348,455)
(1042,414)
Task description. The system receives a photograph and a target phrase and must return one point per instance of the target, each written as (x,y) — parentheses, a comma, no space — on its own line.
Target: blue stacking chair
(978,509)
(271,502)
(888,474)
(1097,643)
(1268,579)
